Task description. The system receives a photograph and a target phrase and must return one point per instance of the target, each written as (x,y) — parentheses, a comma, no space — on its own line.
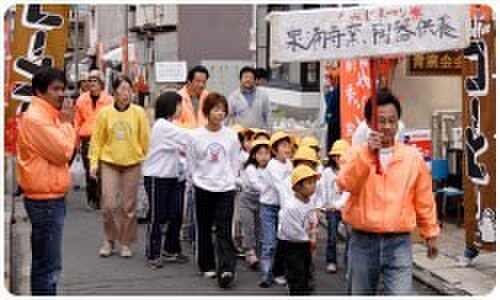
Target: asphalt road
(85,273)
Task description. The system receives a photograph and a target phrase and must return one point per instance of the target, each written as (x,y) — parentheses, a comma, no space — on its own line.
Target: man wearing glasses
(88,106)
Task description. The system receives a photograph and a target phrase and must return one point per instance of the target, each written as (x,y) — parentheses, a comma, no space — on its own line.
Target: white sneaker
(209,274)
(464,262)
(126,252)
(280,280)
(106,249)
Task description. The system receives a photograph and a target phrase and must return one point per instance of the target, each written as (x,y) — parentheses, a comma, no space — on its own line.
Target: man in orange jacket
(385,208)
(193,95)
(88,105)
(45,145)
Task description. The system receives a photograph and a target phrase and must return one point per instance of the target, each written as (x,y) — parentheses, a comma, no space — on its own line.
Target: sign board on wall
(343,33)
(479,105)
(422,140)
(39,39)
(170,71)
(447,63)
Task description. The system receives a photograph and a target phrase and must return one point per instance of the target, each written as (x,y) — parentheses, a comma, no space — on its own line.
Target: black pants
(93,186)
(215,209)
(165,208)
(279,259)
(298,267)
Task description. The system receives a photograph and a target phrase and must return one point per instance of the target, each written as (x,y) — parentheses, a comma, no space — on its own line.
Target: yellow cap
(278,136)
(339,147)
(260,142)
(295,139)
(258,131)
(310,141)
(303,172)
(306,153)
(237,128)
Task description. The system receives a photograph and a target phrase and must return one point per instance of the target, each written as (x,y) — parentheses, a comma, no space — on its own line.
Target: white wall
(420,96)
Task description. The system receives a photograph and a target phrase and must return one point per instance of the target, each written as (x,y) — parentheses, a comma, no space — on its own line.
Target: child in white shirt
(277,171)
(254,184)
(334,201)
(296,231)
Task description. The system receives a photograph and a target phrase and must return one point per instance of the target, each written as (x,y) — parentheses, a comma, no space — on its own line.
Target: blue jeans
(381,255)
(334,219)
(47,221)
(269,225)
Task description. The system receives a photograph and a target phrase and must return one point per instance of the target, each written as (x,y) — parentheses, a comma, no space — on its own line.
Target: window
(295,76)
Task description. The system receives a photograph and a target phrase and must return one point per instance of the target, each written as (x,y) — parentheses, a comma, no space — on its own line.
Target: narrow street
(85,273)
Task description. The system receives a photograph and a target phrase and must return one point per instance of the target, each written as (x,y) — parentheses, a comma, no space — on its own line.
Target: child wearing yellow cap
(260,134)
(334,201)
(254,185)
(296,219)
(277,171)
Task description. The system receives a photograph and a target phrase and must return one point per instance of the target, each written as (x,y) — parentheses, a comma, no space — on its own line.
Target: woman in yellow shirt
(118,146)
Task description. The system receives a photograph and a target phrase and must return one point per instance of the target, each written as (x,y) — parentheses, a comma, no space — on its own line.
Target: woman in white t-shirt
(214,159)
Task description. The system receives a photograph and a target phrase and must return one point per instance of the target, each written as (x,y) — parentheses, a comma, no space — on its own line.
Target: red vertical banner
(355,85)
(125,55)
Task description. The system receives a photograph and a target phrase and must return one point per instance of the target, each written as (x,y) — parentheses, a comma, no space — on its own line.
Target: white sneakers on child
(280,280)
(209,274)
(331,268)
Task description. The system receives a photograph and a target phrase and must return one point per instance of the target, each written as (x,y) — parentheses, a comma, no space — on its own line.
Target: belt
(388,235)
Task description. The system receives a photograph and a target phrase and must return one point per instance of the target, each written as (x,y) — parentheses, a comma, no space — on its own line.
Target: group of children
(281,183)
(284,186)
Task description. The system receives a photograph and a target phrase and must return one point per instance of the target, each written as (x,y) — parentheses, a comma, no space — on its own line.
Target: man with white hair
(88,106)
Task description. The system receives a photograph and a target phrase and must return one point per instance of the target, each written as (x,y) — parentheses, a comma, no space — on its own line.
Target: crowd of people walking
(246,187)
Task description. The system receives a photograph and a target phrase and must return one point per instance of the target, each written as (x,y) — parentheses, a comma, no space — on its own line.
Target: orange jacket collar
(46,106)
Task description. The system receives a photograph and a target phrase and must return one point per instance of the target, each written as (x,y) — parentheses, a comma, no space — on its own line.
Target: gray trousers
(250,221)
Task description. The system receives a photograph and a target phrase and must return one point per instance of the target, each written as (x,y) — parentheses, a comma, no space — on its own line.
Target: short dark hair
(213,99)
(119,80)
(261,73)
(197,69)
(384,97)
(45,77)
(248,69)
(166,104)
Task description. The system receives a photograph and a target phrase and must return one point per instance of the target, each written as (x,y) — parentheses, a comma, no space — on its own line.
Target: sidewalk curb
(437,283)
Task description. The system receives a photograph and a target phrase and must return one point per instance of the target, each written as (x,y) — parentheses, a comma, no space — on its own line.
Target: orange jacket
(395,201)
(189,118)
(44,148)
(85,112)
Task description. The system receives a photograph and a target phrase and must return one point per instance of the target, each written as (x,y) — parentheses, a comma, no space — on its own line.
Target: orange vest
(396,201)
(44,148)
(189,118)
(85,112)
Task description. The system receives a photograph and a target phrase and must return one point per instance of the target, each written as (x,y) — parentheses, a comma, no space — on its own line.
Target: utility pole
(76,48)
(125,43)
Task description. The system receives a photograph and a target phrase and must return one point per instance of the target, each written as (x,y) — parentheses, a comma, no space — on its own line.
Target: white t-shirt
(167,145)
(295,220)
(278,174)
(332,195)
(385,156)
(214,159)
(254,180)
